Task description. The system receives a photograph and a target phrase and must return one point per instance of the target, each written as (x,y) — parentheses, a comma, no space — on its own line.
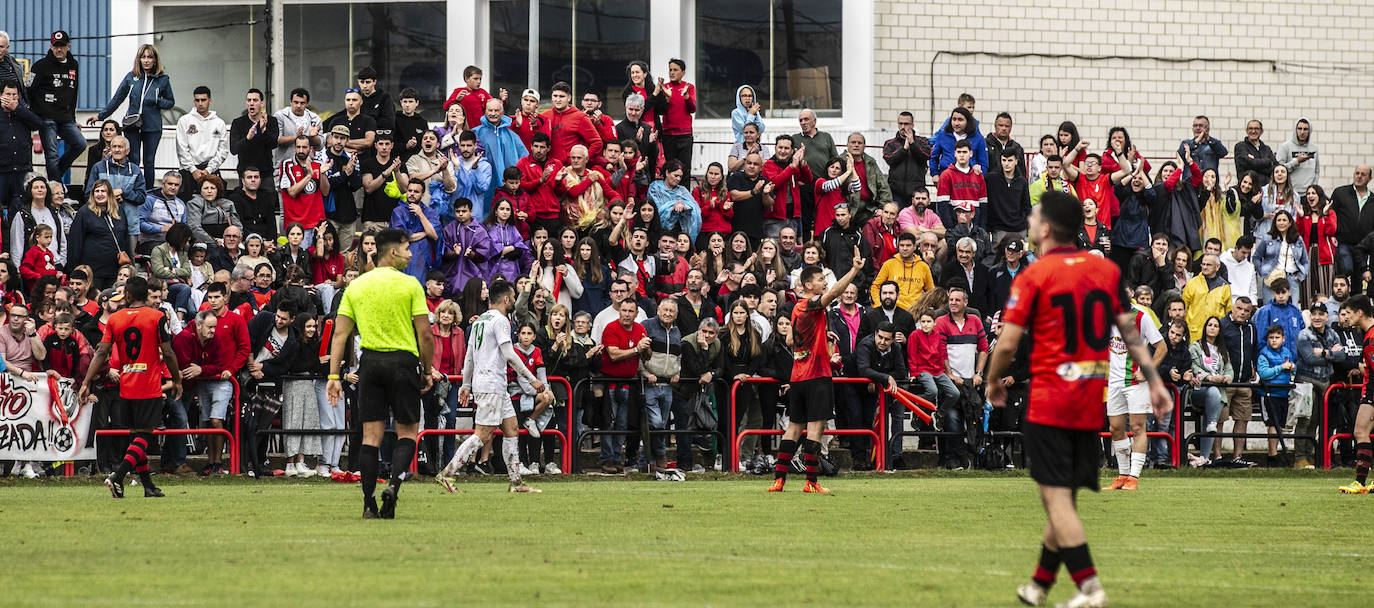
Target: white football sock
(1122,449)
(510,449)
(465,452)
(1137,463)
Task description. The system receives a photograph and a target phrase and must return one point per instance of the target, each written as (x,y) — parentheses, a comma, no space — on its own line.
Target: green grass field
(1248,538)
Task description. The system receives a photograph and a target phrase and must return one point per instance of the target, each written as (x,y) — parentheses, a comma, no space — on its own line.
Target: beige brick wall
(1325,73)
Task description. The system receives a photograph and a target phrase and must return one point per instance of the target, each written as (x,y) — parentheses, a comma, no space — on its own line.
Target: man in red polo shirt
(302,190)
(626,344)
(1068,300)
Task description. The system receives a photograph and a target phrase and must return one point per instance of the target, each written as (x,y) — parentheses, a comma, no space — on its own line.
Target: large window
(229,60)
(586,43)
(326,45)
(789,50)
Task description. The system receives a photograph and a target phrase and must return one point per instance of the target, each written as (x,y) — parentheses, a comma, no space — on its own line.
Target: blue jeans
(181,296)
(1158,450)
(143,144)
(71,136)
(448,419)
(215,397)
(1345,264)
(658,405)
(935,389)
(619,402)
(1209,399)
(174,447)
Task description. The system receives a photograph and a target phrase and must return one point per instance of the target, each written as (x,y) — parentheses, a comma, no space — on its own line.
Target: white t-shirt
(485,337)
(1117,372)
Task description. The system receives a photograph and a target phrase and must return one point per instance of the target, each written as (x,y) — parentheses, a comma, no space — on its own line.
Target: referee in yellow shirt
(388,309)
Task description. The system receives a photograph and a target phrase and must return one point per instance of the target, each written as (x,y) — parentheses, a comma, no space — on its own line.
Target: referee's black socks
(401,457)
(367,461)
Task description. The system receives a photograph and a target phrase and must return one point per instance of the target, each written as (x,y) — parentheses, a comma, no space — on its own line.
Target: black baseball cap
(60,38)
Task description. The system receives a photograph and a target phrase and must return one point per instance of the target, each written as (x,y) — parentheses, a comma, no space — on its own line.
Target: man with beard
(256,206)
(907,155)
(345,186)
(839,242)
(473,174)
(538,173)
(432,164)
(694,304)
(303,190)
(362,129)
(887,311)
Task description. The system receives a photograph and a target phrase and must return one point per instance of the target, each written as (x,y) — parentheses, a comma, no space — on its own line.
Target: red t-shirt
(138,334)
(325,269)
(308,208)
(1101,192)
(1369,363)
(810,351)
(1068,301)
(619,337)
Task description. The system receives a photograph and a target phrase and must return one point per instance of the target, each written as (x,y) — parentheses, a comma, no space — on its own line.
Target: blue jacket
(16,139)
(1208,155)
(155,95)
(1270,371)
(942,151)
(502,147)
(127,177)
(1266,257)
(1289,317)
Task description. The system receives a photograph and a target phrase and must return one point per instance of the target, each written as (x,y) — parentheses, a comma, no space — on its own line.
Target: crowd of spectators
(660,286)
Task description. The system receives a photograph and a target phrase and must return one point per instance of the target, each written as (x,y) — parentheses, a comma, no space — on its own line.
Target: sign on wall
(35,426)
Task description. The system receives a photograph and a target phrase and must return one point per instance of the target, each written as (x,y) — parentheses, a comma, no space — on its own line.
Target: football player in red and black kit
(1361,314)
(140,337)
(1067,300)
(812,392)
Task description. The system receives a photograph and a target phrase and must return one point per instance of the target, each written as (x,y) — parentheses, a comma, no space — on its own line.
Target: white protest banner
(34,426)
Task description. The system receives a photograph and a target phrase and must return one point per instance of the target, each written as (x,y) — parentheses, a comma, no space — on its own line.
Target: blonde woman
(97,237)
(149,92)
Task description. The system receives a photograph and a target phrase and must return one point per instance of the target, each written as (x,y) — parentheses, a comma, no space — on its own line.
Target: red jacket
(714,216)
(543,200)
(526,127)
(474,103)
(1326,235)
(38,262)
(787,182)
(190,351)
(570,128)
(682,103)
(231,337)
(925,353)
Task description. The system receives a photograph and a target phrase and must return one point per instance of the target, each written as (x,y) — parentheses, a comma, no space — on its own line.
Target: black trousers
(678,147)
(110,413)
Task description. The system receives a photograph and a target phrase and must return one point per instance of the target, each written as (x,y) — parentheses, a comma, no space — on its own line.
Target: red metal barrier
(233,453)
(1328,438)
(238,426)
(879,435)
(566,457)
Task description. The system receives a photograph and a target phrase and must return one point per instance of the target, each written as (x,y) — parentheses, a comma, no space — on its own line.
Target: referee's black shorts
(1060,457)
(811,400)
(389,386)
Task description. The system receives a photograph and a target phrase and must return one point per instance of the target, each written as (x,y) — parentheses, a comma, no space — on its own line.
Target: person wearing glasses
(1207,151)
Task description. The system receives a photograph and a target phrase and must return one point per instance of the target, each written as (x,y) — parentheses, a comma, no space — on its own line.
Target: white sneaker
(1031,594)
(291,469)
(524,470)
(552,469)
(1211,427)
(697,469)
(533,427)
(1096,599)
(304,471)
(322,471)
(535,468)
(335,469)
(28,471)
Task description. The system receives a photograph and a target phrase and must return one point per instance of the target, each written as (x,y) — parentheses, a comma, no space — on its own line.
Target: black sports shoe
(388,503)
(482,468)
(370,508)
(152,491)
(116,487)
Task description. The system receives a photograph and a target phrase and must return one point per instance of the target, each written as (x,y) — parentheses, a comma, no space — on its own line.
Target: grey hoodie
(1301,174)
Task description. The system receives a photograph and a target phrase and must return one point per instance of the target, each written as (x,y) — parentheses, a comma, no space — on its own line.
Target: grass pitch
(1249,538)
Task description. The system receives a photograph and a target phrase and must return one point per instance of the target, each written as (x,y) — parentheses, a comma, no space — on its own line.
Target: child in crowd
(1275,368)
(533,413)
(519,203)
(926,356)
(434,292)
(38,260)
(66,357)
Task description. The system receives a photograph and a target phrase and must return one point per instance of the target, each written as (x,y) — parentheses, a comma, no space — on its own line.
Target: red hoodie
(527,126)
(474,103)
(543,199)
(682,103)
(787,181)
(570,128)
(925,352)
